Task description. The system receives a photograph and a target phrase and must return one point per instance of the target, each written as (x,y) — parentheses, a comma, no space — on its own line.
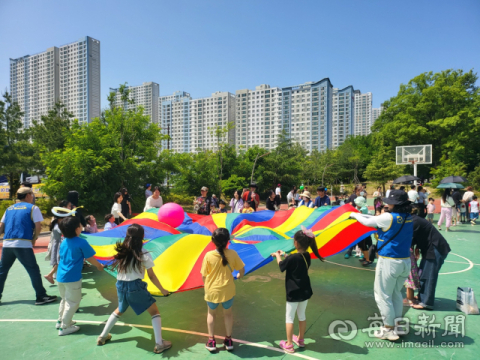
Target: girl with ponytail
(297,284)
(131,261)
(217,268)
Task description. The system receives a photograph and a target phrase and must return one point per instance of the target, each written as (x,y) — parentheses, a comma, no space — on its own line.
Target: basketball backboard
(414,154)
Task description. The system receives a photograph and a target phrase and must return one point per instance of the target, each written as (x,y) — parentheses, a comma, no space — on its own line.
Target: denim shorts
(430,216)
(226,305)
(135,294)
(473,216)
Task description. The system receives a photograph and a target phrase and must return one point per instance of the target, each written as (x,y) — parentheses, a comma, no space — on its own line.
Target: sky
(206,46)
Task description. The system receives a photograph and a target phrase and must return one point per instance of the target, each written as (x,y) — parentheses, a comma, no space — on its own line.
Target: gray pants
(390,275)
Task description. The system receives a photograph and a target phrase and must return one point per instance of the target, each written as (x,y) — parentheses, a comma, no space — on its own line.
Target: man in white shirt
(412,195)
(392,187)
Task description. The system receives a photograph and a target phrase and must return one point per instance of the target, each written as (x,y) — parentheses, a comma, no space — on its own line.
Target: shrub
(4,204)
(179,199)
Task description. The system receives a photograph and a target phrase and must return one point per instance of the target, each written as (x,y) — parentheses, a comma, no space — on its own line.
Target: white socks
(110,324)
(157,329)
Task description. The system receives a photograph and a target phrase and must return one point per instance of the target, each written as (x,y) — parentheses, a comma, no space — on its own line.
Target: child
(109,222)
(247,209)
(217,268)
(473,210)
(69,274)
(91,224)
(221,208)
(430,210)
(463,212)
(297,284)
(413,281)
(366,242)
(131,261)
(54,244)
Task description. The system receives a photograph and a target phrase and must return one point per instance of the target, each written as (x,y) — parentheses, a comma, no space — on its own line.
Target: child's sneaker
(68,330)
(161,348)
(211,345)
(298,342)
(228,343)
(58,325)
(102,340)
(287,348)
(347,256)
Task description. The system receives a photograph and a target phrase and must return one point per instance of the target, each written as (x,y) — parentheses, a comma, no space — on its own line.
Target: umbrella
(453,179)
(405,178)
(450,186)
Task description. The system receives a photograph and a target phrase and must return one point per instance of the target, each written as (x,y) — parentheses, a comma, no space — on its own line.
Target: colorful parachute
(178,253)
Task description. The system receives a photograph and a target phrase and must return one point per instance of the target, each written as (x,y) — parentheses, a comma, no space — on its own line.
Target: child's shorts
(430,216)
(226,305)
(473,216)
(135,294)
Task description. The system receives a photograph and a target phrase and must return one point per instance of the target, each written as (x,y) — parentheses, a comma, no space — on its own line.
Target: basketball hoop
(414,155)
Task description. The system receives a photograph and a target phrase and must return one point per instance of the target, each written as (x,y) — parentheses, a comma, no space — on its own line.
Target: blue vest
(399,247)
(19,223)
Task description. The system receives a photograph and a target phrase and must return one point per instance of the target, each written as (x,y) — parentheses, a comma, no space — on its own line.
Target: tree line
(122,148)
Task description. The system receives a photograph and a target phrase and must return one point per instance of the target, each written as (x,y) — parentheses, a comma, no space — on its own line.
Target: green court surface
(343,290)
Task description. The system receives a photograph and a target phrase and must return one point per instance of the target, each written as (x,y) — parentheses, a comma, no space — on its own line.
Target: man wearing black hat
(252,197)
(22,223)
(395,232)
(434,249)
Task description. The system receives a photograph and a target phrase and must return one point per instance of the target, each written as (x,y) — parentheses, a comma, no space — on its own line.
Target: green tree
(447,167)
(50,133)
(442,109)
(382,168)
(17,152)
(284,164)
(121,149)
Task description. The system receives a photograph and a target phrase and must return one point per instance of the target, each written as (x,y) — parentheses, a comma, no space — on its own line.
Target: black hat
(397,197)
(253,185)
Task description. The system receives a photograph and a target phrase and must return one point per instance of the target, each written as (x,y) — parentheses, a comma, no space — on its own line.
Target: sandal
(287,348)
(411,303)
(367,263)
(298,342)
(420,307)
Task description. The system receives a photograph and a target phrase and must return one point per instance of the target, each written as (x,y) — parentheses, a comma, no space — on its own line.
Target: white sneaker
(58,325)
(386,334)
(68,330)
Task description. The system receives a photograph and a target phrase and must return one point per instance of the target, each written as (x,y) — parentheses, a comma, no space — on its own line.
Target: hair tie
(308,232)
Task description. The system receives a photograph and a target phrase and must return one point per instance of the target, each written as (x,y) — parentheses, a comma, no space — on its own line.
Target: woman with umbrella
(395,233)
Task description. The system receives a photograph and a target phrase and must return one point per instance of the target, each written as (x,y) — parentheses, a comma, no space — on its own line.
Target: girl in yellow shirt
(217,268)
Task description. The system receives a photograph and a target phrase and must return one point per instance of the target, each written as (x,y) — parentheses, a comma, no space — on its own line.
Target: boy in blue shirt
(69,274)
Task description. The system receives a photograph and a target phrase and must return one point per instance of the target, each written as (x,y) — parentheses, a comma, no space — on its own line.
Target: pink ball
(171,214)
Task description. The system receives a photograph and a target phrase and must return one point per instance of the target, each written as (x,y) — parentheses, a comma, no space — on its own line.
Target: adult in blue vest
(22,224)
(395,233)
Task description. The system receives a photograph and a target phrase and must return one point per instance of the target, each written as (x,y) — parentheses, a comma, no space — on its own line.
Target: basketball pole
(414,171)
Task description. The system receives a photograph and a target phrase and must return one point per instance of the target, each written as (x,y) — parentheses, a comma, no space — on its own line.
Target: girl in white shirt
(117,208)
(446,212)
(131,261)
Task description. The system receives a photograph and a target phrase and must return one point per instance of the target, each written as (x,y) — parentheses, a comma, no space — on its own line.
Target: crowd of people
(402,235)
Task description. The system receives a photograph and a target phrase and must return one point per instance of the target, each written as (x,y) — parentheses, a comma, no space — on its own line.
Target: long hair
(445,194)
(72,197)
(116,196)
(306,242)
(129,252)
(220,238)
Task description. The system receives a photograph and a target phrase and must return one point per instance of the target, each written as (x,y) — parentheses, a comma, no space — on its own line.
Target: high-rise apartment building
(342,115)
(192,123)
(376,112)
(145,95)
(258,117)
(307,114)
(363,113)
(70,73)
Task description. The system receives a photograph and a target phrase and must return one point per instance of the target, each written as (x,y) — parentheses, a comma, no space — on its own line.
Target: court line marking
(469,262)
(244,342)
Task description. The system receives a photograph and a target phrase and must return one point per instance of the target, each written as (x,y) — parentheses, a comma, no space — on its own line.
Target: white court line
(460,262)
(470,265)
(299,355)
